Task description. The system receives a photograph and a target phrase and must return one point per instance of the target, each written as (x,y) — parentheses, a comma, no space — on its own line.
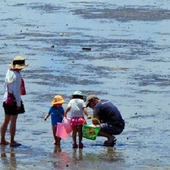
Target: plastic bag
(67,124)
(64,128)
(61,131)
(90,131)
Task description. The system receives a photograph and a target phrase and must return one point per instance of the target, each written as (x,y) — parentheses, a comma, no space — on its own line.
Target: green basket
(90,131)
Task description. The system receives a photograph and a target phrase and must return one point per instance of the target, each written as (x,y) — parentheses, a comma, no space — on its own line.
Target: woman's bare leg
(4,129)
(13,129)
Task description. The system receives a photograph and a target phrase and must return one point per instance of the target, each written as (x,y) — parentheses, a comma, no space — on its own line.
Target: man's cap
(89,98)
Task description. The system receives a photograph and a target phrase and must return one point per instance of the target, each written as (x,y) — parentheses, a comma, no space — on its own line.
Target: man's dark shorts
(12,110)
(112,128)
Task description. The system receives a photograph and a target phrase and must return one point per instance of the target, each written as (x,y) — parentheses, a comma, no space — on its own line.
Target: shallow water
(128,64)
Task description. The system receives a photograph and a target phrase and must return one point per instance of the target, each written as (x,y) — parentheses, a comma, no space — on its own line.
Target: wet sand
(128,64)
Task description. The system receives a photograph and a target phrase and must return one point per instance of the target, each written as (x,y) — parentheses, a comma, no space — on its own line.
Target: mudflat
(117,50)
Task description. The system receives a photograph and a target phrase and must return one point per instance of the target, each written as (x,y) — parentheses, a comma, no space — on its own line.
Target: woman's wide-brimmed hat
(18,63)
(58,99)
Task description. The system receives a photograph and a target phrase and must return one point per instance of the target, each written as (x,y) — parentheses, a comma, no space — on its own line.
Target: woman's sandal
(5,143)
(15,144)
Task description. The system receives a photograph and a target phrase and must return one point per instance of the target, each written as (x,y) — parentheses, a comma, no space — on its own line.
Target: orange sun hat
(58,99)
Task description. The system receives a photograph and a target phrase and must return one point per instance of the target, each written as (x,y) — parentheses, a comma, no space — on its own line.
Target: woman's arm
(17,88)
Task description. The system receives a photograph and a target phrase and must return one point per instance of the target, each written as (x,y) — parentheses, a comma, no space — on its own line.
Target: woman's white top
(13,85)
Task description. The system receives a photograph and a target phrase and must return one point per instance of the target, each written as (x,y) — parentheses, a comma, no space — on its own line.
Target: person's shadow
(8,158)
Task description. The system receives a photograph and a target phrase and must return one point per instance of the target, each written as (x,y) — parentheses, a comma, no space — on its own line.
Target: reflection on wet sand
(62,158)
(77,154)
(8,158)
(109,154)
(113,155)
(73,157)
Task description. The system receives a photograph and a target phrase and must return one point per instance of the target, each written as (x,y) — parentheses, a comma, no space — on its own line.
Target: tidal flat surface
(129,64)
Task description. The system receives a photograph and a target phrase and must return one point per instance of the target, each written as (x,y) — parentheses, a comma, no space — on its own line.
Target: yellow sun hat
(58,99)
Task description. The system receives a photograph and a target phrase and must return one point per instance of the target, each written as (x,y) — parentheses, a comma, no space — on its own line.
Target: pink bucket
(61,131)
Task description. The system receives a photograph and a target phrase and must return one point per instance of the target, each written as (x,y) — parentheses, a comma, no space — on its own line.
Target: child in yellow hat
(57,112)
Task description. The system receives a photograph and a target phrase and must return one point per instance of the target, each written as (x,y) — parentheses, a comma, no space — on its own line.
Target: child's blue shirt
(56,115)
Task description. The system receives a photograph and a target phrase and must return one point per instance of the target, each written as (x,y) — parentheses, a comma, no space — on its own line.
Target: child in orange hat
(57,112)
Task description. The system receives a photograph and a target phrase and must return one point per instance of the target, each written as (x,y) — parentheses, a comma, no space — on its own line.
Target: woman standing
(12,102)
